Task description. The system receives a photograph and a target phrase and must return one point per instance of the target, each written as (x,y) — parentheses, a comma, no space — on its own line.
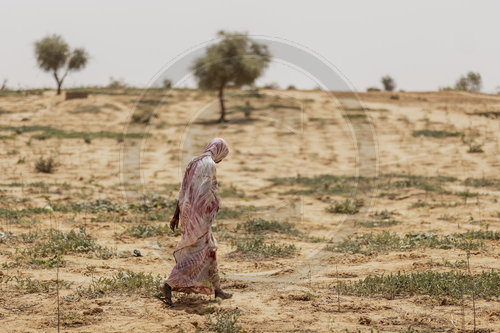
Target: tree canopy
(471,82)
(53,54)
(234,61)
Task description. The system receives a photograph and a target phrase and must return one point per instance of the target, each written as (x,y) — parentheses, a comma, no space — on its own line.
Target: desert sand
(291,135)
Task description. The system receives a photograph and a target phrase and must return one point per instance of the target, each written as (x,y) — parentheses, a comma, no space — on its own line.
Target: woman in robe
(195,255)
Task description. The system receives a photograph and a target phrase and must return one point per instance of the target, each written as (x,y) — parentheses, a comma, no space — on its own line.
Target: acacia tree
(388,83)
(471,82)
(53,54)
(236,60)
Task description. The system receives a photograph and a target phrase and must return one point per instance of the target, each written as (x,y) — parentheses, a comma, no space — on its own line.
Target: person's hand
(174,223)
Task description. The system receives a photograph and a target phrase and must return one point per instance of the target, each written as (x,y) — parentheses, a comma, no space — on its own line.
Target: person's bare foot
(222,295)
(167,294)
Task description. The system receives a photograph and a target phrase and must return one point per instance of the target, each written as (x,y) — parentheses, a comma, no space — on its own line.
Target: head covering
(217,148)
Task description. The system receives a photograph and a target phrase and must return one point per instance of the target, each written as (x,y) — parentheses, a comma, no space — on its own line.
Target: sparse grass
(475,148)
(123,283)
(16,214)
(377,223)
(86,109)
(428,184)
(436,134)
(246,109)
(281,106)
(318,185)
(225,321)
(354,116)
(347,206)
(49,132)
(33,286)
(144,231)
(46,249)
(60,134)
(234,213)
(256,245)
(481,182)
(260,225)
(370,244)
(230,191)
(45,165)
(489,114)
(452,284)
(152,102)
(143,114)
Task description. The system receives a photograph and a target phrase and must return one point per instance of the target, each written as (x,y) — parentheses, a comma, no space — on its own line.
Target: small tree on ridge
(53,54)
(236,60)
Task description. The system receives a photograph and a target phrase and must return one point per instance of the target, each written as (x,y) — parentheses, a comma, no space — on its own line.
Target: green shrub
(124,283)
(448,284)
(45,165)
(225,321)
(346,207)
(256,245)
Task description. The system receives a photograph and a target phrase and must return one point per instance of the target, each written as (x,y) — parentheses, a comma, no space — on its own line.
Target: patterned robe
(195,255)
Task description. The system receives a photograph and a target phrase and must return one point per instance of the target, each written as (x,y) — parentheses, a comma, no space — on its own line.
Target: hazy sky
(422,44)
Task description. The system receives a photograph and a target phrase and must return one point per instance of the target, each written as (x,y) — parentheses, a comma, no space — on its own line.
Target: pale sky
(422,44)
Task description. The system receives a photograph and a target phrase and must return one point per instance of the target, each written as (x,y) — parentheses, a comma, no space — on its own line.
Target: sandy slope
(310,137)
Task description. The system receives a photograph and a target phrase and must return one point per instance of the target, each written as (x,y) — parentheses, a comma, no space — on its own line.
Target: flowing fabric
(195,255)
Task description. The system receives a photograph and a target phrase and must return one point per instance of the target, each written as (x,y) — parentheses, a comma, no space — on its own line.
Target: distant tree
(116,83)
(236,60)
(167,84)
(4,85)
(53,54)
(372,89)
(471,82)
(291,87)
(388,83)
(271,86)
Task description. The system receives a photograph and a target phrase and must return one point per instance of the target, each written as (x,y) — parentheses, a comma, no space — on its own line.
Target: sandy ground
(290,134)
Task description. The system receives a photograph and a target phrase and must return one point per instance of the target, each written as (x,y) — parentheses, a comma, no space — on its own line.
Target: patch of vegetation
(144,231)
(225,321)
(489,114)
(33,286)
(452,284)
(15,214)
(259,225)
(234,213)
(231,191)
(60,134)
(346,207)
(46,249)
(86,109)
(436,134)
(143,115)
(377,223)
(246,109)
(354,116)
(475,148)
(256,245)
(49,132)
(481,182)
(428,184)
(319,185)
(280,106)
(152,102)
(123,282)
(45,165)
(369,244)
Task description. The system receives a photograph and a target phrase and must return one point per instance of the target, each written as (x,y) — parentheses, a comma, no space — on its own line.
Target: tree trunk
(222,107)
(59,83)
